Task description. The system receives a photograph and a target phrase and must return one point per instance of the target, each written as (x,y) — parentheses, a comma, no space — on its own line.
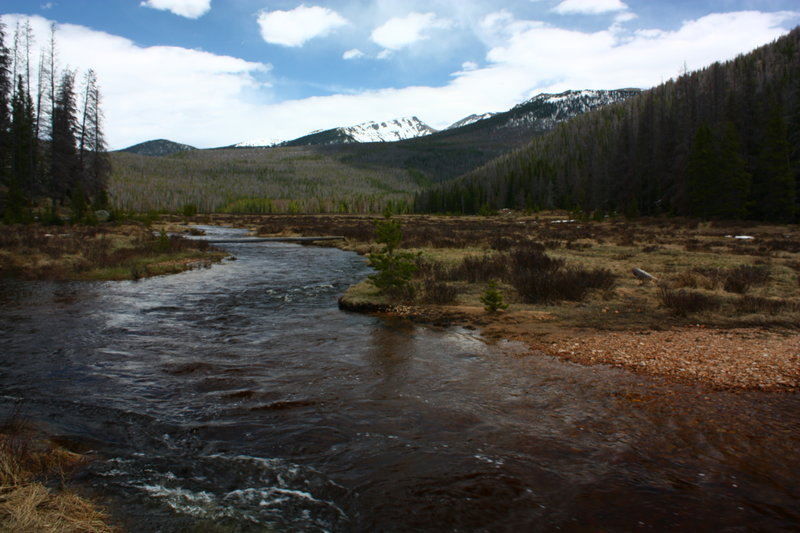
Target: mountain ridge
(158,148)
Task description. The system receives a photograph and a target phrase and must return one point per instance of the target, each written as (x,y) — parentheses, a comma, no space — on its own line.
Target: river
(240,398)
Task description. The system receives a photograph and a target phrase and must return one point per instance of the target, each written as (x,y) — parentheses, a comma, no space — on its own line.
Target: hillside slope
(158,148)
(449,153)
(254,180)
(346,176)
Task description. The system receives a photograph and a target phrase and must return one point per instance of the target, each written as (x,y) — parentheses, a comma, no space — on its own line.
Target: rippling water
(241,397)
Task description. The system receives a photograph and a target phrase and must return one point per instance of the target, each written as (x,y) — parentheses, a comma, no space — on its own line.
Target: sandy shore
(726,359)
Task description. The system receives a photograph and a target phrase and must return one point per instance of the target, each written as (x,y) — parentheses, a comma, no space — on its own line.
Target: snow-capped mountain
(535,116)
(258,143)
(392,130)
(388,131)
(545,110)
(540,113)
(472,119)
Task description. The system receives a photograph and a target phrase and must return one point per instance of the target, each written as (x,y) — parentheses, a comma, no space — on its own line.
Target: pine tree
(5,114)
(23,151)
(64,162)
(701,172)
(775,179)
(94,162)
(731,198)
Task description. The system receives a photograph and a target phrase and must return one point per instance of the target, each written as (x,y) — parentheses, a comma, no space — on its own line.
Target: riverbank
(744,358)
(102,252)
(33,492)
(722,311)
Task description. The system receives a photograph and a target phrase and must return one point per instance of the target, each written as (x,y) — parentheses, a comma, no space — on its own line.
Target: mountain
(347,176)
(258,143)
(454,151)
(368,132)
(722,142)
(158,148)
(466,121)
(539,114)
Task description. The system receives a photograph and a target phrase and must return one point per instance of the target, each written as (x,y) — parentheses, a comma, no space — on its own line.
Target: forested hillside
(450,153)
(723,142)
(330,178)
(255,180)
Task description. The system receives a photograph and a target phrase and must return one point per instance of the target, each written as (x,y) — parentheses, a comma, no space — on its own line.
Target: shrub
(684,302)
(539,278)
(481,269)
(502,243)
(740,279)
(532,257)
(754,304)
(438,292)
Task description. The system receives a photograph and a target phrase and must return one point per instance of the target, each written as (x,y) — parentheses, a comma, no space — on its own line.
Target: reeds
(28,470)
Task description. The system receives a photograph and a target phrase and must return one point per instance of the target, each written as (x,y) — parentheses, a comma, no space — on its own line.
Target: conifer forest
(723,142)
(53,156)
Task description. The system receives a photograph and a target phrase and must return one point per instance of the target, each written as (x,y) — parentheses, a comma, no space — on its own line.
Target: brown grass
(103,252)
(29,469)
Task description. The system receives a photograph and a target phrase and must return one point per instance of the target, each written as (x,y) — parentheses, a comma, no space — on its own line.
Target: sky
(212,73)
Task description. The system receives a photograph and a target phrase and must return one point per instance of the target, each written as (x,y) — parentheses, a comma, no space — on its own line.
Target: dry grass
(29,469)
(107,252)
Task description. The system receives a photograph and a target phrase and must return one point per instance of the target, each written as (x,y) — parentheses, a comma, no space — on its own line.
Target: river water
(240,398)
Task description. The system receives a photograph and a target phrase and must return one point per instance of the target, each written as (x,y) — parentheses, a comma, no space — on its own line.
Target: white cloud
(354,53)
(625,16)
(185,8)
(209,100)
(589,7)
(557,59)
(176,93)
(397,33)
(295,27)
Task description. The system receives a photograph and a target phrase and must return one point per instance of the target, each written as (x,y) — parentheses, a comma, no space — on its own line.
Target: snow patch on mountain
(258,143)
(472,119)
(546,110)
(391,130)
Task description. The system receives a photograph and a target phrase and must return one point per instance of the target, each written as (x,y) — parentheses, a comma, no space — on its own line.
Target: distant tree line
(723,142)
(52,150)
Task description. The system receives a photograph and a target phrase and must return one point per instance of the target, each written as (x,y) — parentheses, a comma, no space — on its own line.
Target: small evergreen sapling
(492,298)
(394,268)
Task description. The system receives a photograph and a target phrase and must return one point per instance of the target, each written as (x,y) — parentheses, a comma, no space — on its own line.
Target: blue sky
(216,72)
